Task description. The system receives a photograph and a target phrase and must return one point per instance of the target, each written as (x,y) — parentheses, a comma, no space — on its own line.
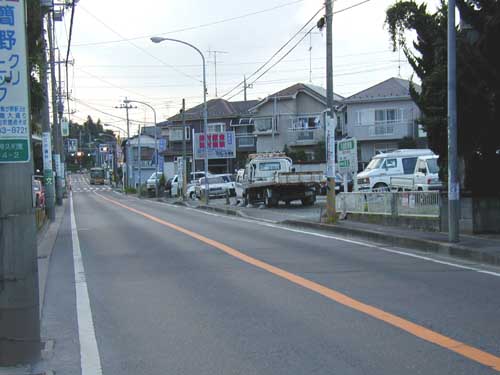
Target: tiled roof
(217,108)
(317,91)
(390,88)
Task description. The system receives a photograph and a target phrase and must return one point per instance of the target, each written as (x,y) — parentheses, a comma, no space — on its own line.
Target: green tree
(407,142)
(35,60)
(478,81)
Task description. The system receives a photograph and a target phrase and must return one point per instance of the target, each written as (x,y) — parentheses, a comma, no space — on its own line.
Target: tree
(407,142)
(478,81)
(35,60)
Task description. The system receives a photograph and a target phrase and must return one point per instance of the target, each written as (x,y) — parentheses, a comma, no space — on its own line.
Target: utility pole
(215,65)
(245,88)
(330,117)
(453,180)
(184,161)
(127,149)
(56,129)
(48,172)
(60,111)
(19,304)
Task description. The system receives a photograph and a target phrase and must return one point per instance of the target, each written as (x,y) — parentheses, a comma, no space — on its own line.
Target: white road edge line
(355,242)
(89,352)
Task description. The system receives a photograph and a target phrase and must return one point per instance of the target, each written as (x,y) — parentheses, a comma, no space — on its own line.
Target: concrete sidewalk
(46,239)
(478,248)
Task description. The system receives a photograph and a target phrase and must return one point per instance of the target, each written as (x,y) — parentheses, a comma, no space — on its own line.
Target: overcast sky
(109,66)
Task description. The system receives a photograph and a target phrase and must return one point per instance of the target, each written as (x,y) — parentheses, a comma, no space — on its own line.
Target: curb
(222,210)
(428,246)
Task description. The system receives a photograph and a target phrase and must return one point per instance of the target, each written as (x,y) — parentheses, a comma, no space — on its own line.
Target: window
(432,166)
(422,168)
(307,122)
(176,133)
(263,124)
(390,163)
(269,166)
(374,164)
(365,117)
(387,115)
(409,165)
(216,128)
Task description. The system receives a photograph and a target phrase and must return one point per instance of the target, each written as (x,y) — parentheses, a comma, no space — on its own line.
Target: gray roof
(392,88)
(217,109)
(317,92)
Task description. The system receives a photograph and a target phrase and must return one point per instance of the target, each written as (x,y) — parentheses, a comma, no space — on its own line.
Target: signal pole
(330,116)
(56,129)
(127,149)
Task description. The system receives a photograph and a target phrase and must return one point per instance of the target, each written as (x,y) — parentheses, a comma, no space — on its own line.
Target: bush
(130,190)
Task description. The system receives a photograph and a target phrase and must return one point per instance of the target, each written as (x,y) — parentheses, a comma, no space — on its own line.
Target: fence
(416,203)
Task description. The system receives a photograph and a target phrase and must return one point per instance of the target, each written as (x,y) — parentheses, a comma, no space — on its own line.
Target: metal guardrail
(415,203)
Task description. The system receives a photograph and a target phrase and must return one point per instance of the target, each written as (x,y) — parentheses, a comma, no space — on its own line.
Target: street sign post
(347,155)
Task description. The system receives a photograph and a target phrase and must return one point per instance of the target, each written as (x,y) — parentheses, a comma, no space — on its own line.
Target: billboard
(219,145)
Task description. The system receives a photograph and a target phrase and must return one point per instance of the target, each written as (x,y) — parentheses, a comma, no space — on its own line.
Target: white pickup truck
(270,178)
(424,178)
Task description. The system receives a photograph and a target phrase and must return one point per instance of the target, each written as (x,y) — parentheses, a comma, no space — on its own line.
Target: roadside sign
(15,144)
(347,154)
(219,145)
(330,147)
(72,145)
(65,127)
(162,144)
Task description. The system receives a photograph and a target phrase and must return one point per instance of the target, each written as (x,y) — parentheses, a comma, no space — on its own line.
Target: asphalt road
(179,291)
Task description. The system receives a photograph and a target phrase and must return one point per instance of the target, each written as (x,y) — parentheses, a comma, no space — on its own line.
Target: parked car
(339,184)
(377,175)
(38,193)
(218,186)
(153,180)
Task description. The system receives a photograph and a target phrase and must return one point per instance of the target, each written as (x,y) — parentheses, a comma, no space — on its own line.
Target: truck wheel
(381,187)
(308,201)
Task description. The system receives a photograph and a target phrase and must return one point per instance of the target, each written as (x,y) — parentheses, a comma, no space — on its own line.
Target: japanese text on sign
(219,145)
(14,116)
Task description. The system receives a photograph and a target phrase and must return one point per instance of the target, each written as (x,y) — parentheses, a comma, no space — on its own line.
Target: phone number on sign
(14,130)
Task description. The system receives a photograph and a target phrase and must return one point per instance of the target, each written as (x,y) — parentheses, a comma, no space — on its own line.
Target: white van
(377,175)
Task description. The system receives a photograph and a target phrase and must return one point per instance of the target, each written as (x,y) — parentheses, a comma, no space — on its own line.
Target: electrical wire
(276,53)
(295,46)
(192,27)
(142,49)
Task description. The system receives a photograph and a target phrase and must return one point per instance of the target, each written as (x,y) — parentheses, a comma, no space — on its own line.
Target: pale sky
(108,68)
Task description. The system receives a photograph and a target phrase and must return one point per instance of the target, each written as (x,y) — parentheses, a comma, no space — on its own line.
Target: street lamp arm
(159,39)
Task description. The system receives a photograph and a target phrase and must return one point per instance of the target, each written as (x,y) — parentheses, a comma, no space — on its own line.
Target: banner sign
(219,145)
(65,127)
(15,144)
(72,145)
(330,147)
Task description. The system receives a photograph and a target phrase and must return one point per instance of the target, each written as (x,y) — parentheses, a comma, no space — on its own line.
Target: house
(380,116)
(222,116)
(139,168)
(292,118)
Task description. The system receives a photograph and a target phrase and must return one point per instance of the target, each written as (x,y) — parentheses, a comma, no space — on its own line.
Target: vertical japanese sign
(330,147)
(219,145)
(65,127)
(14,106)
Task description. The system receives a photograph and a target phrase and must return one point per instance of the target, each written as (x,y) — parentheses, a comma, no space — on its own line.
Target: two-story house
(380,116)
(140,166)
(222,116)
(293,117)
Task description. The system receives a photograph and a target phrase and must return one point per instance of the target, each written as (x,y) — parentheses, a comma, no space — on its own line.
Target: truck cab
(265,168)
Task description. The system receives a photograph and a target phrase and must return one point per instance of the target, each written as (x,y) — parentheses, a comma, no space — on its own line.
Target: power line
(142,49)
(296,44)
(275,54)
(192,27)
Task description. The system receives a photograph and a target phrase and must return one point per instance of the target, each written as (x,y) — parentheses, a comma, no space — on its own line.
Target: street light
(128,101)
(158,39)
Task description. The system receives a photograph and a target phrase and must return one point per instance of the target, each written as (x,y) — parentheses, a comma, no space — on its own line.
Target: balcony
(305,137)
(383,130)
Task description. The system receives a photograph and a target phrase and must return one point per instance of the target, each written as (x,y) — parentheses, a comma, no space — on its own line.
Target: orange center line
(414,329)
